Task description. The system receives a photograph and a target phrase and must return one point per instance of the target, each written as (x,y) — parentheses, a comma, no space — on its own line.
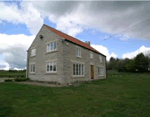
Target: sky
(118,29)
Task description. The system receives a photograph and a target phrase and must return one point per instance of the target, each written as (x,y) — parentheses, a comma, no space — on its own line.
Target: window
(101,71)
(91,55)
(78,69)
(51,67)
(100,58)
(33,52)
(51,47)
(78,52)
(32,68)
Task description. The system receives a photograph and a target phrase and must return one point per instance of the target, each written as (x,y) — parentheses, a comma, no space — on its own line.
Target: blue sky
(113,44)
(25,21)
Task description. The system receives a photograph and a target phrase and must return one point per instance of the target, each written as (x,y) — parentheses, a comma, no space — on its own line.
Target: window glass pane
(100,59)
(73,69)
(50,66)
(82,69)
(79,69)
(51,46)
(100,70)
(54,45)
(48,47)
(33,52)
(76,69)
(79,52)
(54,67)
(33,68)
(47,66)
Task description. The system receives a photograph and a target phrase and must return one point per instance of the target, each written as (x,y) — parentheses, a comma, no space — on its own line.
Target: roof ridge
(67,34)
(73,39)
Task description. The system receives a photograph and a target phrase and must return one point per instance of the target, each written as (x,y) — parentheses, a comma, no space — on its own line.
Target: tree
(112,59)
(130,66)
(121,64)
(112,64)
(141,62)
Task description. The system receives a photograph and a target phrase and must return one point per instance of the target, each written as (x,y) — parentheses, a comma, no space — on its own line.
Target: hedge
(8,80)
(21,79)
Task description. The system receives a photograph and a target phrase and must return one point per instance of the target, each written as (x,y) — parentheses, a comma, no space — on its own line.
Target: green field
(12,74)
(120,95)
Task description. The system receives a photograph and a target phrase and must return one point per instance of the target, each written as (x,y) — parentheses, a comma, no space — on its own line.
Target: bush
(21,79)
(8,80)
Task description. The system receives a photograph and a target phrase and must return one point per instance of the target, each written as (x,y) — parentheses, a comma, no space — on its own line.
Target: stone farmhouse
(57,57)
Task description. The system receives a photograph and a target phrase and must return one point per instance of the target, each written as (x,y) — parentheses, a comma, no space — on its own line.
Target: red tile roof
(72,39)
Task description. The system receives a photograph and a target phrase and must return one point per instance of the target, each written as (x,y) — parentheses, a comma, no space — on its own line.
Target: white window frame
(78,52)
(33,52)
(99,67)
(50,46)
(51,63)
(80,70)
(100,59)
(31,68)
(91,55)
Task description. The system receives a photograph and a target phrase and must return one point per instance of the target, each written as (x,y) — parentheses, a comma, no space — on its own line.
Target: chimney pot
(87,42)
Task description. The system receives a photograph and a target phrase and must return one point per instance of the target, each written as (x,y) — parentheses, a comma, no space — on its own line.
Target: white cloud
(4,66)
(13,48)
(8,40)
(73,17)
(142,49)
(27,15)
(111,17)
(66,25)
(104,51)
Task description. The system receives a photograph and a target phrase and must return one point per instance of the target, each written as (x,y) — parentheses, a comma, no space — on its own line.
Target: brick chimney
(87,42)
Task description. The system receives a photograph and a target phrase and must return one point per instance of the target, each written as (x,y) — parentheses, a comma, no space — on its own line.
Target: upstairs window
(51,67)
(91,55)
(32,68)
(78,52)
(51,47)
(100,58)
(33,52)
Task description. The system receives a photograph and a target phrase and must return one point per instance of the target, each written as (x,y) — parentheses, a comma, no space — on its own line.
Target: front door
(92,71)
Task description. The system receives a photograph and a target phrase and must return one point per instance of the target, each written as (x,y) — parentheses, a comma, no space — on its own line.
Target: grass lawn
(121,95)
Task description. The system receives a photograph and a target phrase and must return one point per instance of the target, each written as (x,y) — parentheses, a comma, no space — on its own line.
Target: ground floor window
(51,67)
(101,71)
(32,68)
(78,69)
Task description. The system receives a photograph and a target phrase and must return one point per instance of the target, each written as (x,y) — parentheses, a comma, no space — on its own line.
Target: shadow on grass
(5,108)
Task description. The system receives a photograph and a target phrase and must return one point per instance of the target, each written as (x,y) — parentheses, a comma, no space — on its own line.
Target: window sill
(78,56)
(32,56)
(50,73)
(32,73)
(51,52)
(77,76)
(101,75)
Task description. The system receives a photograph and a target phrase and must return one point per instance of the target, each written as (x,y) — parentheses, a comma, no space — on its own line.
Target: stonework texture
(65,55)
